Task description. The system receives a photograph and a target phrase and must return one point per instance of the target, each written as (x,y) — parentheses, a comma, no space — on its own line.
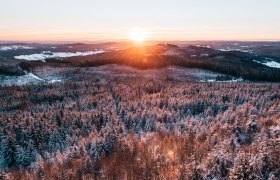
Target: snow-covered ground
(14,47)
(108,73)
(20,80)
(173,73)
(28,78)
(241,50)
(35,77)
(231,81)
(272,64)
(55,81)
(48,54)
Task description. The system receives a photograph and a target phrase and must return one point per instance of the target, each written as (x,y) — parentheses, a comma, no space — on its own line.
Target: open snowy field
(105,73)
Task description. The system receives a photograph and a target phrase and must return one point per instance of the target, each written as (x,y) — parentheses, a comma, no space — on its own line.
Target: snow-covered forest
(140,128)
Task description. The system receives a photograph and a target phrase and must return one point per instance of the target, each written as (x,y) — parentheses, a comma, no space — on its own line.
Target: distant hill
(254,61)
(236,63)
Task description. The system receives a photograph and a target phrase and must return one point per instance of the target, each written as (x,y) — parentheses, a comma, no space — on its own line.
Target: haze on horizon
(92,20)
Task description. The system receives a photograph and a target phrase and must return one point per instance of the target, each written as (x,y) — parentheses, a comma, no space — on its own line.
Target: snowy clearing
(230,81)
(19,80)
(240,50)
(28,78)
(272,64)
(55,81)
(48,54)
(14,47)
(35,77)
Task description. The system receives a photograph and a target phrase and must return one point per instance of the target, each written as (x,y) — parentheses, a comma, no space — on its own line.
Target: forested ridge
(233,63)
(140,128)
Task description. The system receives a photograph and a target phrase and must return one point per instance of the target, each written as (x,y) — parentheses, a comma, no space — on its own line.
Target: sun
(138,35)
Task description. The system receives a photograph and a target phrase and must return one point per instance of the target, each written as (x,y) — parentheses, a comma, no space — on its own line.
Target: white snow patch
(28,78)
(14,47)
(204,55)
(272,64)
(55,81)
(233,80)
(20,80)
(241,50)
(230,81)
(35,77)
(47,54)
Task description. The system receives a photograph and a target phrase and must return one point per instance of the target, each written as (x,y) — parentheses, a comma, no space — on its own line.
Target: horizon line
(127,41)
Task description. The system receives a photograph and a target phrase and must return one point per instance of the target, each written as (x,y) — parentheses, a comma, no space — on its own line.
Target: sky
(106,20)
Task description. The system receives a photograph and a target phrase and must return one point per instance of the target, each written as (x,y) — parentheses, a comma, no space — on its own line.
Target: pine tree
(8,152)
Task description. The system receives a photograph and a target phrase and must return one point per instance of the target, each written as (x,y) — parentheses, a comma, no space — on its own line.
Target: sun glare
(138,35)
